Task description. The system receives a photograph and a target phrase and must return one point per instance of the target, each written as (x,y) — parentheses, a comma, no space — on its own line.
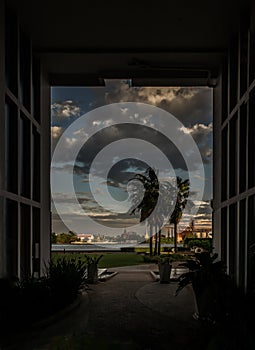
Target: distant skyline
(192,106)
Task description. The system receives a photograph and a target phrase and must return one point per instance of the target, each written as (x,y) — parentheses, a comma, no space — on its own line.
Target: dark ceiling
(114,25)
(112,37)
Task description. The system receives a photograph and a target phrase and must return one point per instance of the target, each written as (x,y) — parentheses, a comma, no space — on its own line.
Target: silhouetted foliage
(181,201)
(154,193)
(25,301)
(53,238)
(64,278)
(205,243)
(64,238)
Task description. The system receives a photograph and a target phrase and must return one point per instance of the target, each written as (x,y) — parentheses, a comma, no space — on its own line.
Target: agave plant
(202,270)
(93,259)
(210,285)
(65,277)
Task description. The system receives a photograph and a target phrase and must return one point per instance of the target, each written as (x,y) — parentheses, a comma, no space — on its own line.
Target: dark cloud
(121,172)
(202,135)
(205,209)
(64,198)
(192,106)
(189,105)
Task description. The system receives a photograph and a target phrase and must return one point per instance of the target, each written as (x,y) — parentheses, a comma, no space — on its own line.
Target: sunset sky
(191,106)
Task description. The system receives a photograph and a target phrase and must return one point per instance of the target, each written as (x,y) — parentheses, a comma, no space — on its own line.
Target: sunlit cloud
(56,131)
(65,109)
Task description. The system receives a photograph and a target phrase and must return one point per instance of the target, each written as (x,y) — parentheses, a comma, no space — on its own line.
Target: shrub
(167,240)
(34,294)
(204,243)
(150,259)
(9,290)
(213,288)
(25,301)
(65,277)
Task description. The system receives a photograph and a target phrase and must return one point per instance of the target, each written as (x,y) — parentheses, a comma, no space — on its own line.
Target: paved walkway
(128,311)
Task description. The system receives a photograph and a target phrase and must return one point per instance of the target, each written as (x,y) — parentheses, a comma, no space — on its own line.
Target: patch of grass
(142,249)
(121,259)
(109,259)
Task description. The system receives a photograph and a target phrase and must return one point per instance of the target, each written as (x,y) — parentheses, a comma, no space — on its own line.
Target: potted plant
(165,268)
(210,285)
(92,268)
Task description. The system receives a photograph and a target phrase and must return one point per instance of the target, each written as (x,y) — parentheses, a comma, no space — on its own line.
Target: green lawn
(120,259)
(109,259)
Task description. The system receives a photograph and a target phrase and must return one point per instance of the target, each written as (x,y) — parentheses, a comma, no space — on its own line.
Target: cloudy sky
(103,164)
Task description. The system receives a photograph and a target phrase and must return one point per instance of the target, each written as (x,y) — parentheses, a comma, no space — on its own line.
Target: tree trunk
(156,243)
(159,242)
(150,240)
(175,238)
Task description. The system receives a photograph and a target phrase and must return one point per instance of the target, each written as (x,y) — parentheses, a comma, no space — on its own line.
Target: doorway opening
(191,106)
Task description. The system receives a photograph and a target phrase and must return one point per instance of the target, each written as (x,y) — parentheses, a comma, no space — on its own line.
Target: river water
(92,247)
(99,247)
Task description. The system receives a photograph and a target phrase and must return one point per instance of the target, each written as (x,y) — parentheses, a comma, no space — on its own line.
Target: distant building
(168,231)
(85,237)
(146,236)
(196,233)
(124,235)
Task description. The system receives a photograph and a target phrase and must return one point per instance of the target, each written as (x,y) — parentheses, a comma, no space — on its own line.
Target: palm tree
(181,201)
(154,192)
(150,198)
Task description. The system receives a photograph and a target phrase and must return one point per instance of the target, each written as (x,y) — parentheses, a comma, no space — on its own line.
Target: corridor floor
(128,311)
